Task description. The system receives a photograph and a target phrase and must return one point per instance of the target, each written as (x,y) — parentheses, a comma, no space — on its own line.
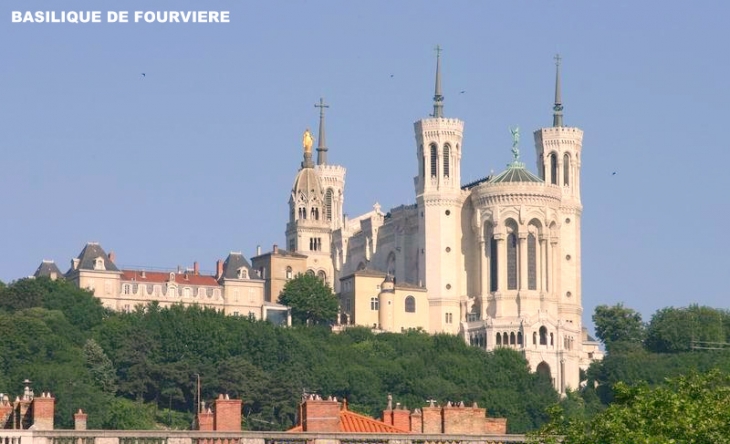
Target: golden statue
(307,141)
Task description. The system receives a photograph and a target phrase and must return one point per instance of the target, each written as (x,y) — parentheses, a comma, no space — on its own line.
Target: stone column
(483,267)
(501,262)
(522,255)
(543,264)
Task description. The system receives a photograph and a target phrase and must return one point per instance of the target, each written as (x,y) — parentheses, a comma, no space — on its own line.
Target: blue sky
(197,158)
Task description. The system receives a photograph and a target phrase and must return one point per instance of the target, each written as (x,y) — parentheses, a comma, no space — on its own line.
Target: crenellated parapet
(435,127)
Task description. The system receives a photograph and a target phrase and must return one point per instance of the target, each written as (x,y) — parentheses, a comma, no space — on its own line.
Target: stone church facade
(497,261)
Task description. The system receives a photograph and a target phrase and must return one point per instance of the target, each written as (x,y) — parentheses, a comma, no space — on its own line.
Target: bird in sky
(462,92)
(144,75)
(614,173)
(391,75)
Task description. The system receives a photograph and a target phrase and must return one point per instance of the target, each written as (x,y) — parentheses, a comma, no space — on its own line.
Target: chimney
(258,250)
(401,418)
(205,421)
(43,409)
(416,421)
(112,257)
(196,268)
(80,420)
(276,249)
(432,420)
(75,263)
(227,416)
(319,415)
(219,269)
(143,274)
(6,410)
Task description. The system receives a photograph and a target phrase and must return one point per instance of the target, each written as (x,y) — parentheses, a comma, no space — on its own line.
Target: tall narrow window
(447,152)
(322,275)
(289,273)
(566,169)
(328,204)
(434,161)
(374,304)
(543,335)
(553,169)
(499,339)
(531,262)
(423,162)
(512,261)
(493,265)
(410,304)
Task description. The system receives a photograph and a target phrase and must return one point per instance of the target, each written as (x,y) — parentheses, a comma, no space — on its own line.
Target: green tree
(673,330)
(311,300)
(687,409)
(618,324)
(100,366)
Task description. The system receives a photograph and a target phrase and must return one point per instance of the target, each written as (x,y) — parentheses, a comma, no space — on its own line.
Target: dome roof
(515,172)
(307,183)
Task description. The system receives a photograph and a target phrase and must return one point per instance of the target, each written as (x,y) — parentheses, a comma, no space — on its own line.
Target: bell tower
(439,200)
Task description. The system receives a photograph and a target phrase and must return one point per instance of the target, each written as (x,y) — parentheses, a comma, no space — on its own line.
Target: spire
(321,145)
(438,99)
(558,107)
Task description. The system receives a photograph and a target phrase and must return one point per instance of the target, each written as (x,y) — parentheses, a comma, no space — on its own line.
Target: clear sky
(197,158)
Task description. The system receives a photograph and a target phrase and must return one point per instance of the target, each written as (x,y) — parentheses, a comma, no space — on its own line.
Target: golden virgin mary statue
(307,141)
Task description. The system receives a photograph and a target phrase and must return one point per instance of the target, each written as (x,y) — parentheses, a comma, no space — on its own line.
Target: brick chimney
(276,249)
(458,419)
(112,257)
(80,420)
(43,410)
(401,418)
(416,421)
(205,420)
(227,414)
(432,422)
(320,415)
(219,269)
(6,410)
(196,268)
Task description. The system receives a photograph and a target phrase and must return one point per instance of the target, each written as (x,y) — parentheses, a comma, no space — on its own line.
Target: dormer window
(99,264)
(172,277)
(242,273)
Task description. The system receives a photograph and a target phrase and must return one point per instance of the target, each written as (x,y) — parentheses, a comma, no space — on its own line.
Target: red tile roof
(162,277)
(351,422)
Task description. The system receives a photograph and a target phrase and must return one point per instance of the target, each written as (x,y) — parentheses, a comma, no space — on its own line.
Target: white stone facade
(499,260)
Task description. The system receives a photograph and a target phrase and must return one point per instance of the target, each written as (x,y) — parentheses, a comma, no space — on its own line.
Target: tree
(100,366)
(673,330)
(311,300)
(687,409)
(618,324)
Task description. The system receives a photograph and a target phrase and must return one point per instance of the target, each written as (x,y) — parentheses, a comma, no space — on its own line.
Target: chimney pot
(276,249)
(258,250)
(196,268)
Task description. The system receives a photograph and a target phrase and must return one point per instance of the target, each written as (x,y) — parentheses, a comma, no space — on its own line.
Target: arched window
(544,369)
(447,152)
(534,338)
(499,339)
(512,338)
(493,264)
(519,338)
(566,169)
(434,160)
(322,275)
(289,272)
(410,304)
(310,272)
(374,304)
(543,335)
(512,261)
(531,262)
(553,169)
(551,339)
(328,204)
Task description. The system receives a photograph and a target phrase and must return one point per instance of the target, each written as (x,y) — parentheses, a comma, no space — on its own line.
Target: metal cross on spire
(438,98)
(321,145)
(558,106)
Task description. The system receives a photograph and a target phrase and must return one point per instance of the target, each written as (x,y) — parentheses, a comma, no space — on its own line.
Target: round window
(448,249)
(448,286)
(448,212)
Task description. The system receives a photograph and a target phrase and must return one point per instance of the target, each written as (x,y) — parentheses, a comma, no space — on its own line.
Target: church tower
(558,162)
(439,201)
(332,177)
(308,231)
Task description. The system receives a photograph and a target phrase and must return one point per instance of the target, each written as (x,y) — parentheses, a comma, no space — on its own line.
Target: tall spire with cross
(558,107)
(321,146)
(438,98)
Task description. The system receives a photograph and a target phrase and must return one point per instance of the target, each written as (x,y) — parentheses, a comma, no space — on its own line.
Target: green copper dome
(515,172)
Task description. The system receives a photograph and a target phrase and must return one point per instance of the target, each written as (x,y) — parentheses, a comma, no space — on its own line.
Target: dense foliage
(687,409)
(311,300)
(139,369)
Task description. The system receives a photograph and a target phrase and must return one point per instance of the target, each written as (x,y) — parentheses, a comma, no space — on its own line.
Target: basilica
(497,261)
